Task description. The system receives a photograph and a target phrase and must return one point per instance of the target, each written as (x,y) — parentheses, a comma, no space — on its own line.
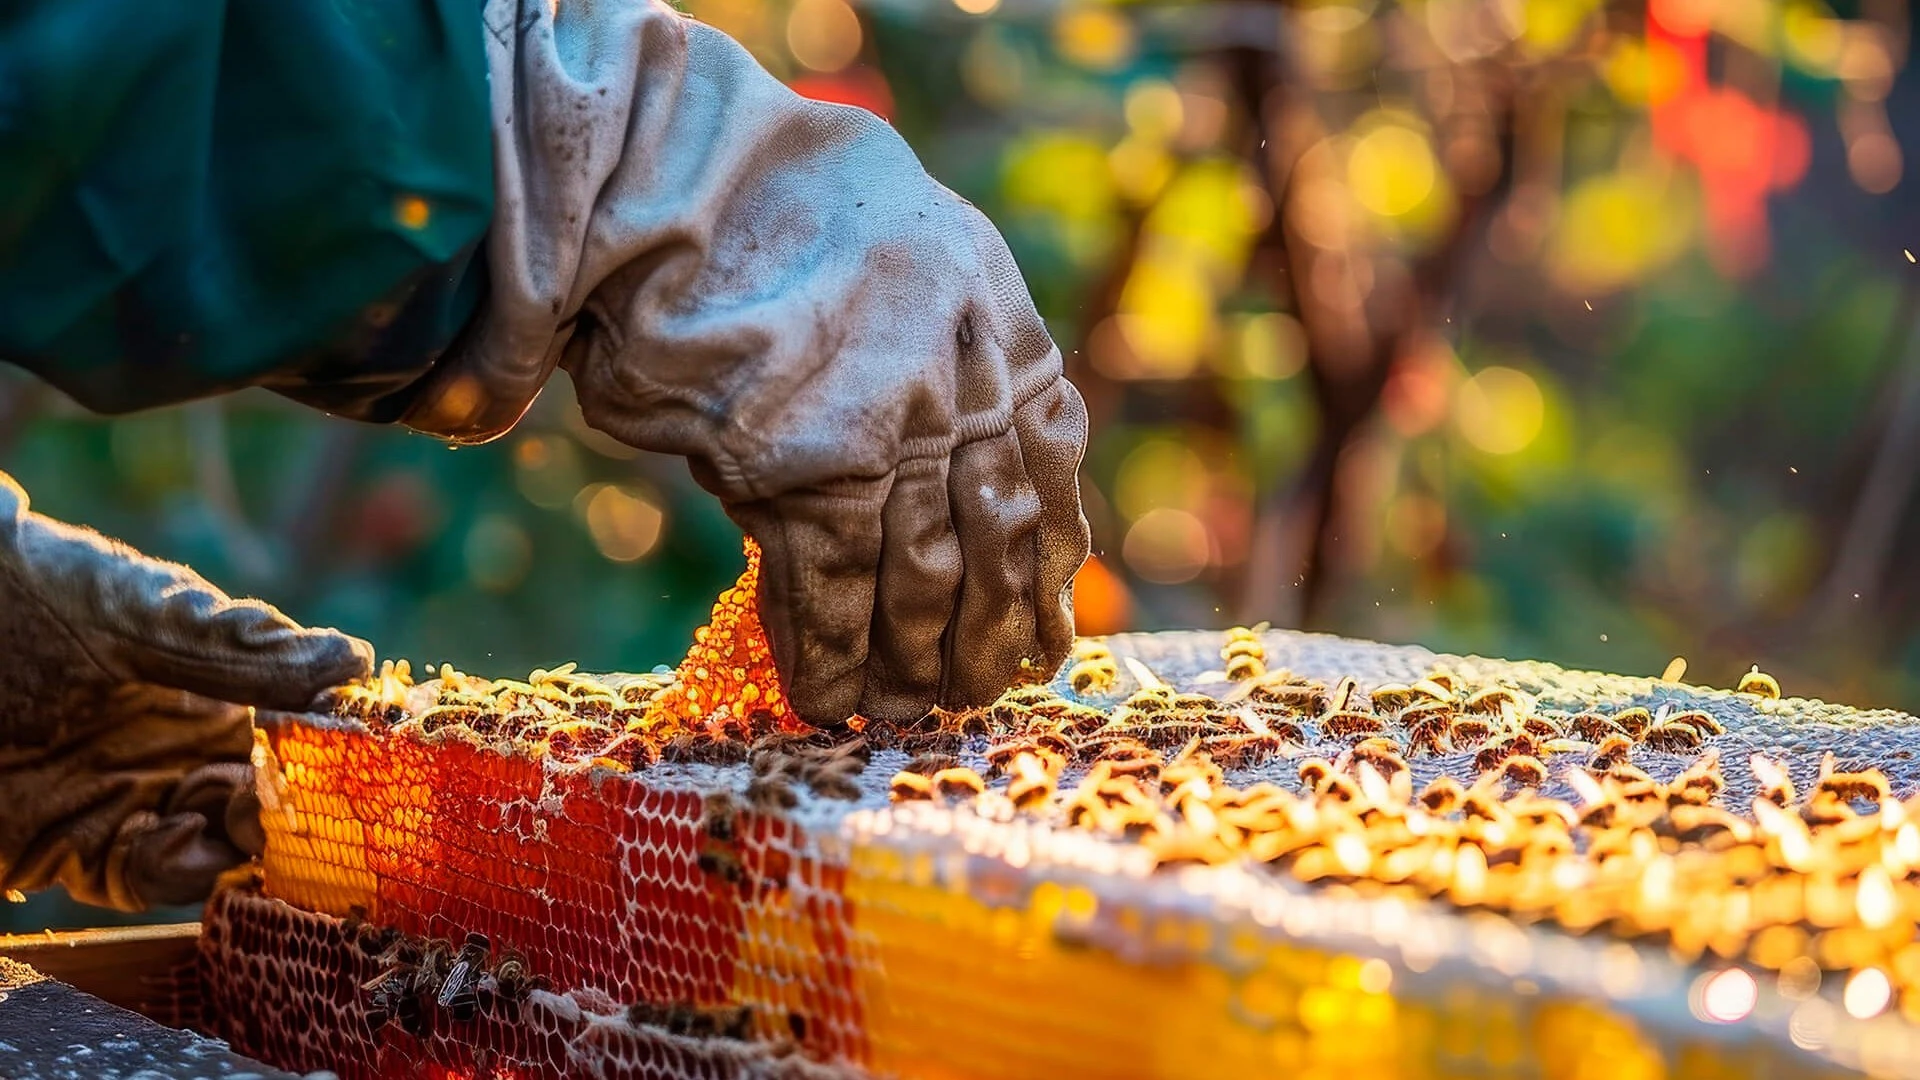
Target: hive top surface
(1511,818)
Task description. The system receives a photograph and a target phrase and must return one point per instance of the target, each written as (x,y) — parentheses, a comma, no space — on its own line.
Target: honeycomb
(1256,851)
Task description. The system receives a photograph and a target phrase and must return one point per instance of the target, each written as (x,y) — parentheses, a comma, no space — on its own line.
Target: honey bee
(1698,823)
(1759,684)
(1443,795)
(1077,720)
(1699,721)
(1541,727)
(1524,769)
(725,1021)
(1634,721)
(1517,744)
(1700,782)
(929,763)
(1391,697)
(1492,702)
(1314,770)
(1673,735)
(1033,782)
(771,793)
(1246,751)
(718,817)
(508,984)
(1093,675)
(1382,754)
(1437,687)
(1347,725)
(959,783)
(1593,727)
(458,989)
(1469,731)
(1306,697)
(1243,654)
(1869,785)
(908,786)
(1613,750)
(1429,727)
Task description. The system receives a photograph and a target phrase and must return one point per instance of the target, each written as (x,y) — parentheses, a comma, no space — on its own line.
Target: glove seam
(980,426)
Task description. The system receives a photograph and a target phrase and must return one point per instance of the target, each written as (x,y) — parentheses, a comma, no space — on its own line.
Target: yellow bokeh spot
(1639,73)
(1141,168)
(1168,547)
(412,212)
(823,35)
(1616,228)
(1166,315)
(1154,109)
(1094,37)
(1211,211)
(1159,473)
(976,7)
(1551,25)
(1061,172)
(625,524)
(1272,345)
(1814,39)
(1500,410)
(1392,170)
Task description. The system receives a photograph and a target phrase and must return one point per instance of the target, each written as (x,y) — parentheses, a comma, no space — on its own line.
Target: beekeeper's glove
(777,290)
(125,727)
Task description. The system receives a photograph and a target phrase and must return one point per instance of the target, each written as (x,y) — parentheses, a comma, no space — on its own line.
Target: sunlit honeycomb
(1191,853)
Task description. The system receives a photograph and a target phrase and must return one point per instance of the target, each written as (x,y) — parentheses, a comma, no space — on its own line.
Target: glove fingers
(996,513)
(160,623)
(168,860)
(1052,429)
(919,583)
(819,554)
(223,795)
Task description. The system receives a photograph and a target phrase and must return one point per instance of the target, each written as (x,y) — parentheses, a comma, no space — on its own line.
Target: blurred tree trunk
(1355,337)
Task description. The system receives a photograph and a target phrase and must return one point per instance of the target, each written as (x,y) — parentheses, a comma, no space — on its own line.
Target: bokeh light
(1725,997)
(1868,994)
(824,35)
(1168,547)
(625,522)
(1500,410)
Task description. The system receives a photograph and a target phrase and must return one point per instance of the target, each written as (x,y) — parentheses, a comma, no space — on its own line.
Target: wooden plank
(53,1032)
(132,967)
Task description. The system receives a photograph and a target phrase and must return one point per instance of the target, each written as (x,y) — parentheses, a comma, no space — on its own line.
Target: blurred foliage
(1567,329)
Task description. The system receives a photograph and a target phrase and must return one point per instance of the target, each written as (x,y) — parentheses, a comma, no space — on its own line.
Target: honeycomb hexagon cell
(1328,864)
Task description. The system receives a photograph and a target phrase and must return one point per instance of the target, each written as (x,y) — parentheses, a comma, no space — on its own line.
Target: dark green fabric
(201,196)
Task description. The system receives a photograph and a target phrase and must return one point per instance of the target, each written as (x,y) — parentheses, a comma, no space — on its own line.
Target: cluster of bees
(724,695)
(426,983)
(421,980)
(1826,879)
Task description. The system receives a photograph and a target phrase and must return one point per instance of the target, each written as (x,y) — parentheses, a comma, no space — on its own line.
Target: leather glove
(125,720)
(777,290)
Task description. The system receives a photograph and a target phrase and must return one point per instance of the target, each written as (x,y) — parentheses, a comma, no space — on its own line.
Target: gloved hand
(777,290)
(125,727)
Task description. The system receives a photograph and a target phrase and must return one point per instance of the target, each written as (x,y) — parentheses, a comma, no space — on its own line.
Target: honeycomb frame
(944,939)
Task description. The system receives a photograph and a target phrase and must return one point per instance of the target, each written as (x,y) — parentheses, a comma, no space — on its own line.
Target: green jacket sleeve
(198,197)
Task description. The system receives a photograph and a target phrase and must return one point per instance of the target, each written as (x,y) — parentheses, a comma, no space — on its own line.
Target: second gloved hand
(125,733)
(776,289)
